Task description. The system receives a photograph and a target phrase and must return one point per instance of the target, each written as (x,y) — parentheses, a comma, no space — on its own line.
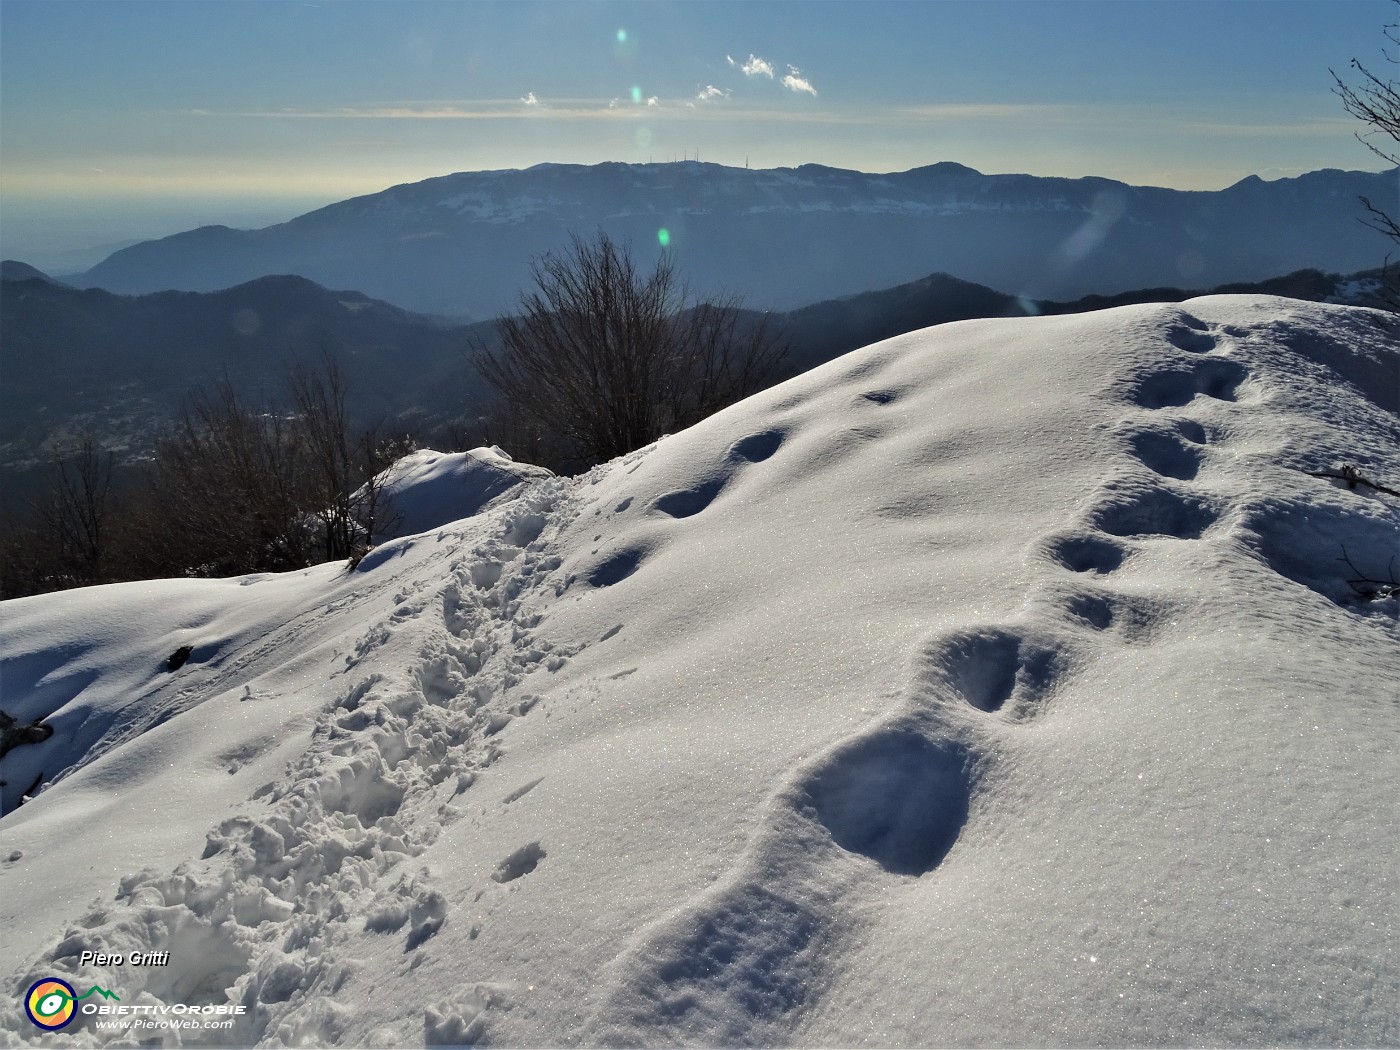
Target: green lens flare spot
(663,237)
(636,94)
(622,36)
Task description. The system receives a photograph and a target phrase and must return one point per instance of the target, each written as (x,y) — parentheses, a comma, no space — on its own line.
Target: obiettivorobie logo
(52,1004)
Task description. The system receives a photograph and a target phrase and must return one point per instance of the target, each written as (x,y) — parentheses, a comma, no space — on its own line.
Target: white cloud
(754,67)
(797,82)
(567,109)
(530,99)
(710,93)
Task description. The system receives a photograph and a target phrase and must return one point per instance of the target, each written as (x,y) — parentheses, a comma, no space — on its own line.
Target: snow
(481,205)
(999,683)
(427,489)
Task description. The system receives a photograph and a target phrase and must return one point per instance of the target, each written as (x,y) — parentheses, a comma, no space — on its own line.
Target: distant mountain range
(13,270)
(826,330)
(121,366)
(461,244)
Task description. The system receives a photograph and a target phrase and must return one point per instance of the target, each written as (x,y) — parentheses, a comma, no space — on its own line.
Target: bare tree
(68,532)
(24,551)
(78,508)
(226,490)
(605,358)
(1375,100)
(343,468)
(230,488)
(319,398)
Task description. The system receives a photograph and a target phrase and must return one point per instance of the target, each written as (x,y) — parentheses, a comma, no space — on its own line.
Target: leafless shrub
(341,467)
(225,491)
(1375,100)
(603,358)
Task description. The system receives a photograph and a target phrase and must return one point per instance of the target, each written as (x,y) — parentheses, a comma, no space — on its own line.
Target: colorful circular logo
(50,1003)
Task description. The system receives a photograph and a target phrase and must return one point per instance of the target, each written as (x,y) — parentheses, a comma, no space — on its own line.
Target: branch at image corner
(1369,587)
(1351,477)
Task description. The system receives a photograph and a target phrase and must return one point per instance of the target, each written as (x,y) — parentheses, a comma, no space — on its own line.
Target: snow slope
(996,684)
(427,489)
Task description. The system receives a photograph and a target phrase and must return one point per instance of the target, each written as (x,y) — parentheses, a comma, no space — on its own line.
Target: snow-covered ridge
(428,489)
(699,189)
(997,683)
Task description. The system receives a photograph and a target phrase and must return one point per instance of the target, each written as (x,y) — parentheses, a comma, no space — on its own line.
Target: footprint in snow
(1085,553)
(1166,453)
(757,447)
(996,670)
(1191,339)
(1173,387)
(1132,619)
(615,568)
(1129,509)
(686,503)
(893,796)
(520,863)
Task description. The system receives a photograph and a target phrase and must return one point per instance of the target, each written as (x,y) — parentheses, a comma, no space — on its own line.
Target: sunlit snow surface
(998,684)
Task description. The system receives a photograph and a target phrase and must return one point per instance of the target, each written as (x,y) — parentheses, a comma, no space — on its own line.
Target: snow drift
(427,489)
(1001,683)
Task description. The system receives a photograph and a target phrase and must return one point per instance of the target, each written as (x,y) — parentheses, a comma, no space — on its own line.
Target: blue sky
(132,119)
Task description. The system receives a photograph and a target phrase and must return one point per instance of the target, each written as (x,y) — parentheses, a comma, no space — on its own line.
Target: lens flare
(622,36)
(663,237)
(636,94)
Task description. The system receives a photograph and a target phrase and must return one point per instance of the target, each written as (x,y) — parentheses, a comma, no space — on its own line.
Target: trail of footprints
(1013,674)
(684,503)
(259,918)
(266,906)
(756,448)
(891,801)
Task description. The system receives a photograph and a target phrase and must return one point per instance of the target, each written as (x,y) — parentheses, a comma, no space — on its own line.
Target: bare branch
(604,359)
(1353,477)
(1375,101)
(1371,588)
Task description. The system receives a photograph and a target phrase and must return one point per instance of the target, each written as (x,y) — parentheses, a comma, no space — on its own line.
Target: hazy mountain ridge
(130,361)
(461,244)
(13,270)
